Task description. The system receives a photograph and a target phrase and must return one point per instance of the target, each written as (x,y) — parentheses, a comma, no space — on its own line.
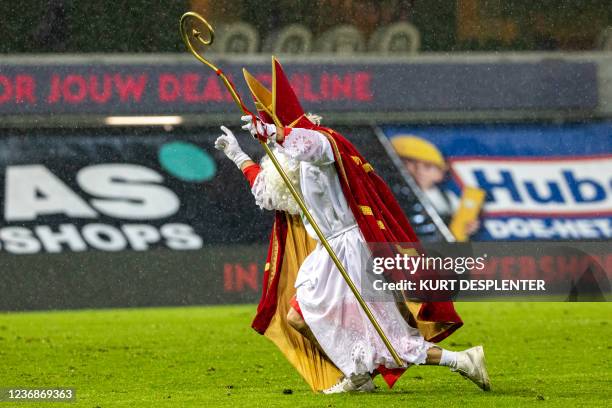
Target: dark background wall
(90,26)
(445,25)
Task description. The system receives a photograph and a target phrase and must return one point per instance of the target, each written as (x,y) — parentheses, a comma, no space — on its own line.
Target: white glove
(259,128)
(229,145)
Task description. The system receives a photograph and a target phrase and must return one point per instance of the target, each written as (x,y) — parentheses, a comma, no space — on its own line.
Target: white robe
(329,307)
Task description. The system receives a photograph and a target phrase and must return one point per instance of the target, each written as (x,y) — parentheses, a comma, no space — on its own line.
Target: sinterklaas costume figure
(306,307)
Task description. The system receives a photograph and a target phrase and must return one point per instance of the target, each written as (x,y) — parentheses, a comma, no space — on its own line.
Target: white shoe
(357,382)
(471,364)
(367,387)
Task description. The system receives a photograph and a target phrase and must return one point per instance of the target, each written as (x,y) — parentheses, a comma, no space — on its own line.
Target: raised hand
(228,144)
(259,129)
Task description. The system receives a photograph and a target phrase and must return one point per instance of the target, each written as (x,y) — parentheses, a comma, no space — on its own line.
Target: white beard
(269,189)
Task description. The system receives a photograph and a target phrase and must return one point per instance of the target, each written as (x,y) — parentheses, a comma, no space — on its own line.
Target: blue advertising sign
(542,182)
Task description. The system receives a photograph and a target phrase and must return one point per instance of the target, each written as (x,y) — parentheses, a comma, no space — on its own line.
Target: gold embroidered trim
(365,210)
(407,251)
(381,224)
(368,167)
(292,124)
(273,256)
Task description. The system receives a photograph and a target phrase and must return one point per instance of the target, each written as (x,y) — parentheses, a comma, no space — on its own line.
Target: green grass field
(540,354)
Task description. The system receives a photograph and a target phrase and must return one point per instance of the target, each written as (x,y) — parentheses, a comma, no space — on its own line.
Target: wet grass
(540,354)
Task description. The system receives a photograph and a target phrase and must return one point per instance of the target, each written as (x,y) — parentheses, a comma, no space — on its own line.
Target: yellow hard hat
(413,147)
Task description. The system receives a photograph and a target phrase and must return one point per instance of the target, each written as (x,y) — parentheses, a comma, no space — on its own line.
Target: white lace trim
(269,189)
(353,344)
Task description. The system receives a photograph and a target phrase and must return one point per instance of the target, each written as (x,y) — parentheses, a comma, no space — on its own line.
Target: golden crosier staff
(197,35)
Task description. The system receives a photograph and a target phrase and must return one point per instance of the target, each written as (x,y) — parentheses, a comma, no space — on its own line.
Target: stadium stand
(343,39)
(292,39)
(397,38)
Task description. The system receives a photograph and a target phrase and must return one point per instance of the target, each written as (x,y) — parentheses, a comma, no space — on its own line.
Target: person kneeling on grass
(333,344)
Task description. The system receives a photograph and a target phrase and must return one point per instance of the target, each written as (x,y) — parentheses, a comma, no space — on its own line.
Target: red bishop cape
(379,217)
